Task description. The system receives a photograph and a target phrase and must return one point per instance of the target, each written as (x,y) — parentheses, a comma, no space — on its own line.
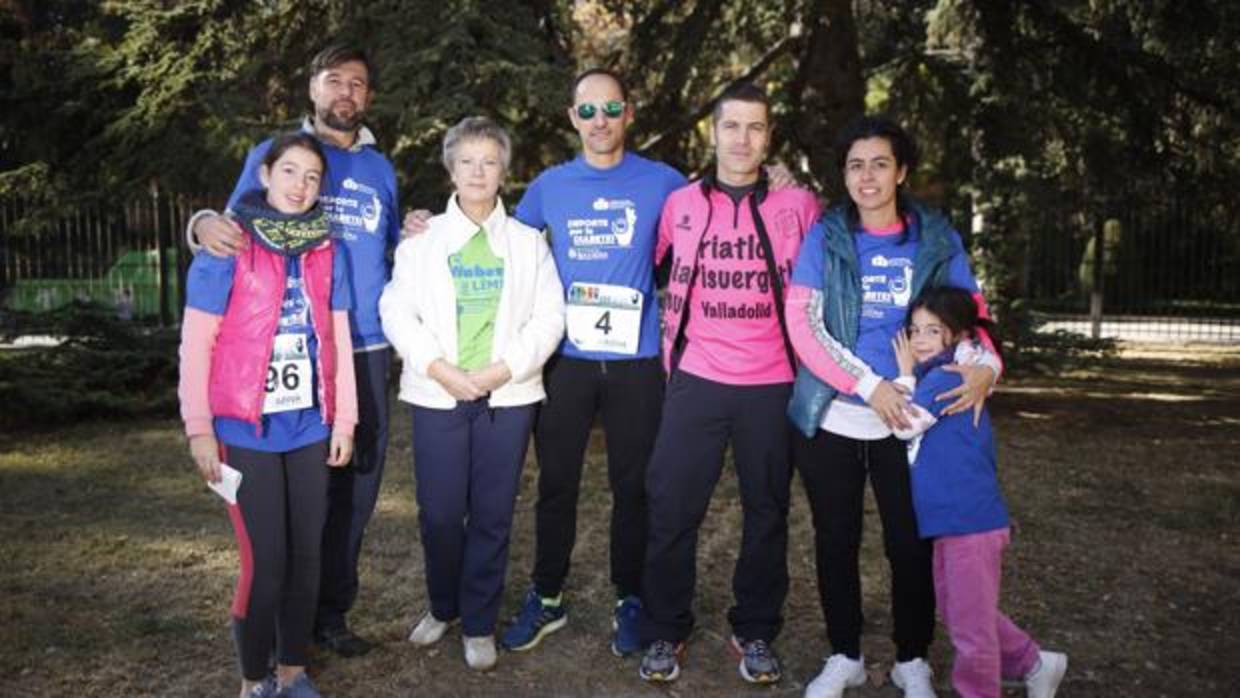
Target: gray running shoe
(757,661)
(661,662)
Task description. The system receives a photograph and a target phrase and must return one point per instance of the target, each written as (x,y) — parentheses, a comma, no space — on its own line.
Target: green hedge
(103,368)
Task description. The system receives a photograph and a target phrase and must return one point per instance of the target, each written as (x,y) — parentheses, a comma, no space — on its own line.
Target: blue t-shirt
(208,286)
(603,225)
(886,268)
(953,474)
(359,197)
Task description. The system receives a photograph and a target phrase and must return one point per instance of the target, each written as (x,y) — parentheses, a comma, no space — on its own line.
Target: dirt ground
(1123,480)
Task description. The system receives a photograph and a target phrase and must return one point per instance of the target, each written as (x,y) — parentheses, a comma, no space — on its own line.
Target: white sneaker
(480,652)
(428,631)
(914,677)
(838,673)
(1044,680)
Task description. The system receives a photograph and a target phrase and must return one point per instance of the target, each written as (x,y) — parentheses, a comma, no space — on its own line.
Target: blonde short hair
(472,128)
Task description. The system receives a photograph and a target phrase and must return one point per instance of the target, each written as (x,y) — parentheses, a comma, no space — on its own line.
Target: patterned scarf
(282,233)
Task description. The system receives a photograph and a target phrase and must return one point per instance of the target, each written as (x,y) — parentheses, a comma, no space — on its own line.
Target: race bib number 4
(290,376)
(604,318)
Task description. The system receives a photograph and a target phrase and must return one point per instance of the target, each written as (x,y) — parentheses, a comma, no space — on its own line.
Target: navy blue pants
(353,491)
(467,465)
(700,419)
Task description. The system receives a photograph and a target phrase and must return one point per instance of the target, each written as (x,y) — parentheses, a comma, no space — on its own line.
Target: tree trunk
(828,90)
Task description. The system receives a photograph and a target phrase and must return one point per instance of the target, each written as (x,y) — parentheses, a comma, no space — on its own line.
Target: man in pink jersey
(730,365)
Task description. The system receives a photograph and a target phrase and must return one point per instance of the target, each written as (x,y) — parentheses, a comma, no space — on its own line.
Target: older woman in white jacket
(474,308)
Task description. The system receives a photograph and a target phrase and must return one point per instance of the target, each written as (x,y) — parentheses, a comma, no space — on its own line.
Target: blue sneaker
(535,621)
(301,687)
(264,689)
(625,622)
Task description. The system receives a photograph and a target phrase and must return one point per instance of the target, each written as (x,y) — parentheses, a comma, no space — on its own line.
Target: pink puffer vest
(247,331)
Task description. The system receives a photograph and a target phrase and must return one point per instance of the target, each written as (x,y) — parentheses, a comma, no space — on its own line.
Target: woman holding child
(859,268)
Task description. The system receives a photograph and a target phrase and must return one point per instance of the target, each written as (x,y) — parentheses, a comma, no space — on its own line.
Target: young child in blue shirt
(958,503)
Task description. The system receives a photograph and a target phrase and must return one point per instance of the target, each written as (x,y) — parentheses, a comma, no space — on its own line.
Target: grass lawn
(1124,482)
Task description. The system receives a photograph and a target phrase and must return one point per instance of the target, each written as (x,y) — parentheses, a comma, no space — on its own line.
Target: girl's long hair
(957,310)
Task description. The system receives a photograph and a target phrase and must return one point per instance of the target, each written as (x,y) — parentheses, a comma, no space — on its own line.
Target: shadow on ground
(1123,481)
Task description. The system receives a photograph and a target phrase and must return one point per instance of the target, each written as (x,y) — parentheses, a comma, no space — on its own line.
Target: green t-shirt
(479,278)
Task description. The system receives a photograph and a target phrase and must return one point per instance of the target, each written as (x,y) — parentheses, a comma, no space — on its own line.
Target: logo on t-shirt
(886,284)
(294,311)
(611,225)
(356,208)
(788,224)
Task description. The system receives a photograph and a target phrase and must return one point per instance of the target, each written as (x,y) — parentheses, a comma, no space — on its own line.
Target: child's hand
(340,452)
(205,451)
(904,353)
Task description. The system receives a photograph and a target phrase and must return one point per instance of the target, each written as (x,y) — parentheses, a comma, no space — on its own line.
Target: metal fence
(1163,266)
(1153,266)
(130,255)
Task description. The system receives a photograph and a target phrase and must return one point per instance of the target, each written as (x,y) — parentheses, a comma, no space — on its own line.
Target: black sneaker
(757,661)
(662,661)
(343,642)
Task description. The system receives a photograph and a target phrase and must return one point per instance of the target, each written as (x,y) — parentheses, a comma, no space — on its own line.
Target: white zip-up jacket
(418,307)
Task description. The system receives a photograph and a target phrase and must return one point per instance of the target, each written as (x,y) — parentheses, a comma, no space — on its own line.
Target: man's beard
(329,118)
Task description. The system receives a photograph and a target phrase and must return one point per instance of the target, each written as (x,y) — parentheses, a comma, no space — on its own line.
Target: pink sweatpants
(967,573)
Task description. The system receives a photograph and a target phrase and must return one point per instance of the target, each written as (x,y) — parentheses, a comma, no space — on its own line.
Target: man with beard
(359,196)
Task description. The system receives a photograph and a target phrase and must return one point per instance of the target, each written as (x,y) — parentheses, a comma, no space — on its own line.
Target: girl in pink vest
(263,390)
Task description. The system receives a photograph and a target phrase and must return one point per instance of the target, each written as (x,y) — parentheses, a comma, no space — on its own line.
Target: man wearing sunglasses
(601,211)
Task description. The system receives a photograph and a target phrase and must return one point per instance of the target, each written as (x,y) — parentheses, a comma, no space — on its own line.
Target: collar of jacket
(365,137)
(935,232)
(942,358)
(931,228)
(460,228)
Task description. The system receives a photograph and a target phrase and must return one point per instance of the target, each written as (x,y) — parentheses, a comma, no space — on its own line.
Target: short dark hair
(282,143)
(742,92)
(337,54)
(605,72)
(903,148)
